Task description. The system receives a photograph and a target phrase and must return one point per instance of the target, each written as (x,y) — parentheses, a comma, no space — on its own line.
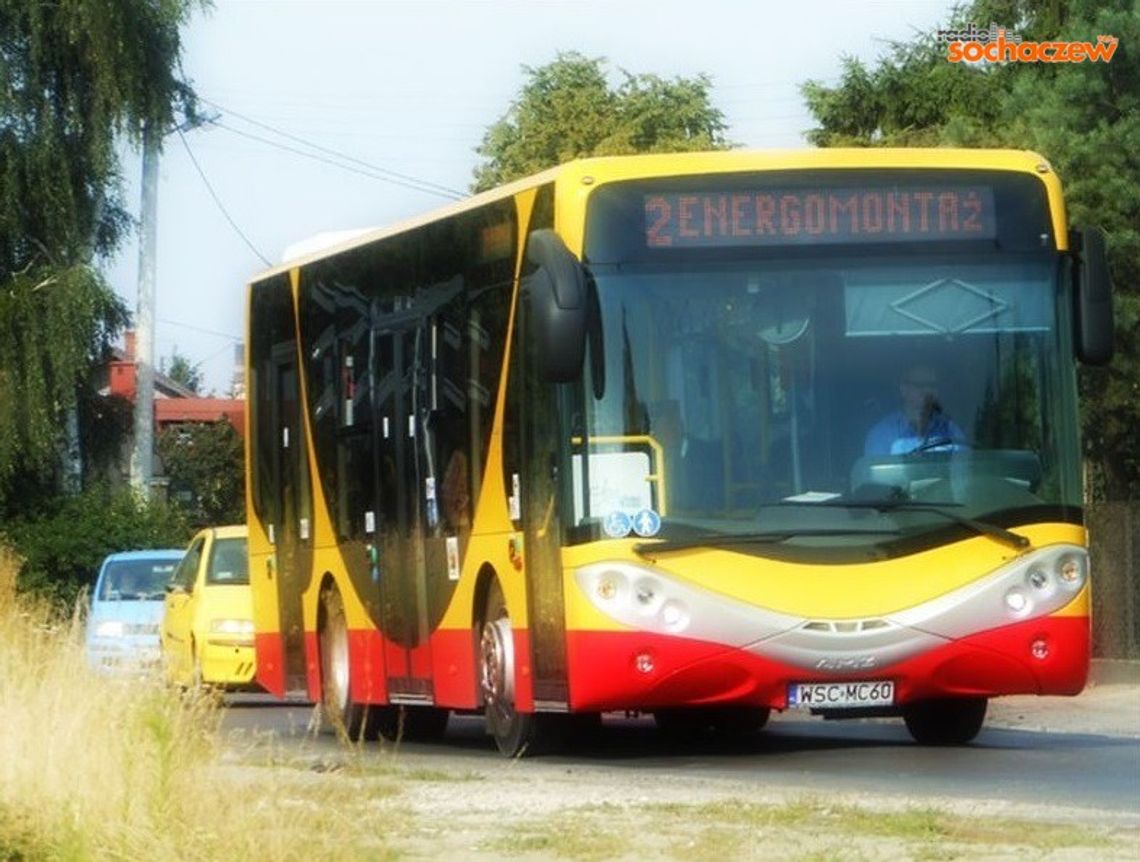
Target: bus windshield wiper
(716,540)
(983,527)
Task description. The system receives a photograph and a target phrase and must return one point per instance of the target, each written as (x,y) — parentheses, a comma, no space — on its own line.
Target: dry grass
(88,765)
(103,768)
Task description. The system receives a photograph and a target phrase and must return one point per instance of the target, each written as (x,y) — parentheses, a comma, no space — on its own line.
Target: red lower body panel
(453,668)
(636,670)
(271,662)
(448,660)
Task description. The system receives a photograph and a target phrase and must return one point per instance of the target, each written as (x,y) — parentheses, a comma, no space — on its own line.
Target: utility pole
(142,456)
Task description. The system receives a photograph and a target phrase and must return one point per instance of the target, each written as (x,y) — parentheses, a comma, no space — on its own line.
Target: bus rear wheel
(350,720)
(945,721)
(516,734)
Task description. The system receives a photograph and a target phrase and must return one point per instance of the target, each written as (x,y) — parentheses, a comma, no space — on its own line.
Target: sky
(335,115)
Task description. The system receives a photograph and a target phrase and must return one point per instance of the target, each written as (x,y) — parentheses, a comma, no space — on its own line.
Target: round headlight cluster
(646,596)
(1048,583)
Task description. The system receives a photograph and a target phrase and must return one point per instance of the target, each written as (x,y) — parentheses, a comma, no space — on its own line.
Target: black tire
(350,720)
(949,721)
(517,734)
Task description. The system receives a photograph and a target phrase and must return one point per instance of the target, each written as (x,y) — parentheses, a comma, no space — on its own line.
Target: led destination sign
(818,215)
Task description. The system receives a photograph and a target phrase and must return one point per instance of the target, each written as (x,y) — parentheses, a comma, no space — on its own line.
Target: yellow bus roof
(587,174)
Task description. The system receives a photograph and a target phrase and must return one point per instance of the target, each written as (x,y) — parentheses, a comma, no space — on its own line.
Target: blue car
(127,607)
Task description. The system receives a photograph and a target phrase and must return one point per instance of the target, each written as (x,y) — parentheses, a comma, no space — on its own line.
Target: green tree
(64,544)
(1085,118)
(76,76)
(567,109)
(206,466)
(179,369)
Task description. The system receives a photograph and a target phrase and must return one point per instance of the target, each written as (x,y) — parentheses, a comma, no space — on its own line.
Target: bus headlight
(674,615)
(1017,603)
(648,595)
(637,596)
(1072,571)
(608,585)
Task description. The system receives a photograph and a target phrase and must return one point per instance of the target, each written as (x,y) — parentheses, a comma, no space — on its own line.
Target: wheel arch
(486,578)
(327,581)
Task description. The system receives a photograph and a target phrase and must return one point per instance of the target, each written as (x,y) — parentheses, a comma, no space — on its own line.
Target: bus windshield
(850,400)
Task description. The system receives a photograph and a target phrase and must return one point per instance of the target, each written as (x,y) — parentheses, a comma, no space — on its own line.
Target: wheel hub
(335,670)
(497,654)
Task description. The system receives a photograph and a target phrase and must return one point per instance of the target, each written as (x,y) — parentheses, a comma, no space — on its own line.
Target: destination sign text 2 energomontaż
(818,215)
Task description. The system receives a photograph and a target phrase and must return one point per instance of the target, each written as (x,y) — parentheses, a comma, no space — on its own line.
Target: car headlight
(110,629)
(231,627)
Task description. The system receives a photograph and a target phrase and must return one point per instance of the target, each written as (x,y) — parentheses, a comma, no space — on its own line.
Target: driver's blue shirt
(895,435)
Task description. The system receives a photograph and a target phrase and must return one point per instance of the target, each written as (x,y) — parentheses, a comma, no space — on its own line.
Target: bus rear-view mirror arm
(1093,297)
(558,304)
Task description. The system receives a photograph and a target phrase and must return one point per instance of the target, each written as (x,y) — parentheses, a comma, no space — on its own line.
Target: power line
(376,172)
(199,329)
(323,160)
(426,183)
(218,201)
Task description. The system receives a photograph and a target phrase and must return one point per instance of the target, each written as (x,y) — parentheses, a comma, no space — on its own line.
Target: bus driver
(919,424)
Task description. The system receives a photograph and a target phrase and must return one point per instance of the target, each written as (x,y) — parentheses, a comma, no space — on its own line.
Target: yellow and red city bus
(640,433)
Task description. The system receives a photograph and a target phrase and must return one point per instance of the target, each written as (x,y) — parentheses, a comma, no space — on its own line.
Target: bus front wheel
(516,733)
(946,721)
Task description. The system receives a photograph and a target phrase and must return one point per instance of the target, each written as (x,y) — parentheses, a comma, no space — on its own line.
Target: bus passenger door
(291,539)
(403,599)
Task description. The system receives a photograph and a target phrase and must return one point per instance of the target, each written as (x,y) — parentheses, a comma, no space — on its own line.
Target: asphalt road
(1100,773)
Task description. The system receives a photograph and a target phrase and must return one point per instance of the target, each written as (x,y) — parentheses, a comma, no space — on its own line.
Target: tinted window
(229,563)
(451,281)
(187,570)
(136,580)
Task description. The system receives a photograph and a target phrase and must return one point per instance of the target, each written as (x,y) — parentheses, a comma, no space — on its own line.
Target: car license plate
(834,695)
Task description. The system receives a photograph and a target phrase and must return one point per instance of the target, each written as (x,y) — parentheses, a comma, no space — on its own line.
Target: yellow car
(207,627)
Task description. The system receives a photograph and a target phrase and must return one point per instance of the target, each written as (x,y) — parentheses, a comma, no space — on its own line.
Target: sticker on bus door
(453,558)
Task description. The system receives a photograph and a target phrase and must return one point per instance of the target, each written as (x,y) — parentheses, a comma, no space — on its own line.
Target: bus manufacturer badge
(617,525)
(646,523)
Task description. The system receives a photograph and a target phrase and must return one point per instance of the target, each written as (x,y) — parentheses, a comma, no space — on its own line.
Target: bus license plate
(842,694)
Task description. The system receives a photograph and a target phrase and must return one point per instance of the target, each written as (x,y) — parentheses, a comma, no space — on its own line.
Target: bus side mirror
(1094,328)
(557,292)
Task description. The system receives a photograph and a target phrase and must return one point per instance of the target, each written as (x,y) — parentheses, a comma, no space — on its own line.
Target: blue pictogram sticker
(617,525)
(647,523)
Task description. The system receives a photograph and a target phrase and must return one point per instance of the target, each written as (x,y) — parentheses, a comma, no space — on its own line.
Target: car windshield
(136,580)
(727,397)
(228,563)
